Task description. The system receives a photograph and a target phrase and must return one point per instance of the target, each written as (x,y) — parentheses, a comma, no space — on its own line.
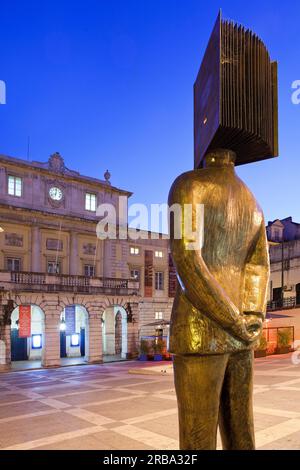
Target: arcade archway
(74,335)
(114,333)
(27,335)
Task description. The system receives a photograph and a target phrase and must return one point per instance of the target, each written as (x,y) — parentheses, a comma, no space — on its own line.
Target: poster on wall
(70,320)
(24,321)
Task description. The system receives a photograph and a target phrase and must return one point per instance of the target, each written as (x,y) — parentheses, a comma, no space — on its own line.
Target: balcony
(24,281)
(282,304)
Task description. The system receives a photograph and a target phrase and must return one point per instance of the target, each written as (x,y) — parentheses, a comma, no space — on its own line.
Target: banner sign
(148,282)
(70,320)
(24,321)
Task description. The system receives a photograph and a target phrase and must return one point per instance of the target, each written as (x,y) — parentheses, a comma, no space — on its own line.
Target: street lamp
(62,325)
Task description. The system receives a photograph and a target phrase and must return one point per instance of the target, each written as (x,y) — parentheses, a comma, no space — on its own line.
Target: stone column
(51,350)
(73,257)
(5,352)
(133,333)
(3,182)
(35,249)
(109,258)
(94,351)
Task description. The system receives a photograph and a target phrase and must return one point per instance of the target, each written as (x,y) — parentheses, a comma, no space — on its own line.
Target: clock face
(55,194)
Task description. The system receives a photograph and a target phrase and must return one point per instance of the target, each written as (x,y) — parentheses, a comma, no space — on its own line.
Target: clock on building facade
(55,193)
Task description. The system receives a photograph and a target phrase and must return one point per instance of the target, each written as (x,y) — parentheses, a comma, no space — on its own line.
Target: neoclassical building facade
(52,263)
(284,286)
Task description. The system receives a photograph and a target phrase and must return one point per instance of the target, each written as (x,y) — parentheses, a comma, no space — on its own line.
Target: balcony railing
(280,304)
(44,282)
(28,277)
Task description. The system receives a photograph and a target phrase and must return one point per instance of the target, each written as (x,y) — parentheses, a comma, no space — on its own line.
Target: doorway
(28,346)
(74,338)
(114,333)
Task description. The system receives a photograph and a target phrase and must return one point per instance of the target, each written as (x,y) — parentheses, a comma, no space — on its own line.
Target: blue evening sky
(109,84)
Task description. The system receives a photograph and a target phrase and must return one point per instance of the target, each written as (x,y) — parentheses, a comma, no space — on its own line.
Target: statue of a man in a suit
(219,307)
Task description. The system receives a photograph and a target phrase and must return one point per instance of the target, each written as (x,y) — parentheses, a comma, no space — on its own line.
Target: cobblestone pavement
(105,407)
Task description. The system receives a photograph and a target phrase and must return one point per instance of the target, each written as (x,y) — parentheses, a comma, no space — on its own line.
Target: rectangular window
(90,202)
(89,270)
(276,235)
(53,267)
(158,254)
(134,250)
(135,274)
(158,315)
(13,264)
(15,186)
(159,280)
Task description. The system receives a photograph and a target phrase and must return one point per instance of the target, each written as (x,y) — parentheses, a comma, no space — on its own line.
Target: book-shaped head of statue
(235,96)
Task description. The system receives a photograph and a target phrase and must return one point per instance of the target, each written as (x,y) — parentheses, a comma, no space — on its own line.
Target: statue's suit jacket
(233,261)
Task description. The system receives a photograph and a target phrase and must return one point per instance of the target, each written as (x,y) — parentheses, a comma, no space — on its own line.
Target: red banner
(24,321)
(148,282)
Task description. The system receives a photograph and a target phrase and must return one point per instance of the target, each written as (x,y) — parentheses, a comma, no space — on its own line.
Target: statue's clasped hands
(249,325)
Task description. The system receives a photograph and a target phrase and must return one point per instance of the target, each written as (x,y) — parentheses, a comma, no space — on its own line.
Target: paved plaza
(130,405)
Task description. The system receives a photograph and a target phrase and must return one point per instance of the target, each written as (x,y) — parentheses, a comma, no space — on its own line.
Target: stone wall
(147,309)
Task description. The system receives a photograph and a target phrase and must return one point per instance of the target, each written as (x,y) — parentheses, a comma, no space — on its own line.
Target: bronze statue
(219,307)
(220,303)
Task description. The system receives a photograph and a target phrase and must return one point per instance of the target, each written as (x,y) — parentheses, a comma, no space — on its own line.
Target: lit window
(135,274)
(90,202)
(158,315)
(36,341)
(13,264)
(134,250)
(89,270)
(158,254)
(159,281)
(75,340)
(14,186)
